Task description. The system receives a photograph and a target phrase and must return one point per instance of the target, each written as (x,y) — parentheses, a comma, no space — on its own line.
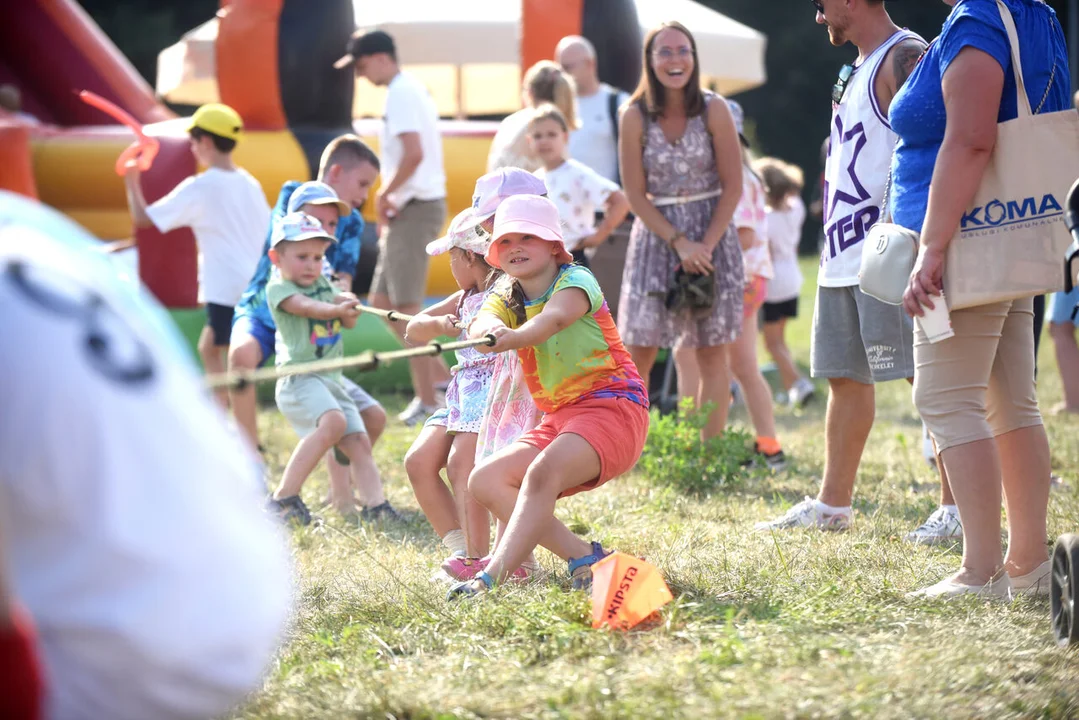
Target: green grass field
(804,625)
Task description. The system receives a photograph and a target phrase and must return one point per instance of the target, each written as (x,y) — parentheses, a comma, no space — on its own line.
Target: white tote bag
(1012,241)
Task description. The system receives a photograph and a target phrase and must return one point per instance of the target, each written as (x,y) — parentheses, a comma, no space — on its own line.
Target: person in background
(595,143)
(976,390)
(411,203)
(227,212)
(1062,330)
(857,341)
(682,171)
(785,214)
(577,190)
(543,83)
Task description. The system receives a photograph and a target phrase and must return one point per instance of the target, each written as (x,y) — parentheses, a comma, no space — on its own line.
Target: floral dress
(466,395)
(682,168)
(510,411)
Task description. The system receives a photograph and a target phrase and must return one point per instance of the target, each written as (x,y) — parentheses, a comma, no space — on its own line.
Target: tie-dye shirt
(585,360)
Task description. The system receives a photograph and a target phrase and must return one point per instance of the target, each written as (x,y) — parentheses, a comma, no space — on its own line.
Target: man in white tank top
(857,341)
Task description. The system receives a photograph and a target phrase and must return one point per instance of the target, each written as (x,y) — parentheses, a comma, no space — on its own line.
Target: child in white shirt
(785,214)
(227,211)
(576,189)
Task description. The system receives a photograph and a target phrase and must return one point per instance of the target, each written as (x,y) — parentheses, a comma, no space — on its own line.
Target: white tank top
(855,175)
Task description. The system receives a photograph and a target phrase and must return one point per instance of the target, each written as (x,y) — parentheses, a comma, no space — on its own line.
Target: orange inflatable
(625,591)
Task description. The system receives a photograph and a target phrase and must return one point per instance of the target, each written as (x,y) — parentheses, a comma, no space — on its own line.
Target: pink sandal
(465,568)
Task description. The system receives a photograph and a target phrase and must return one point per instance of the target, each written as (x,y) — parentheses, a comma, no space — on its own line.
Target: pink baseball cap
(465,233)
(494,187)
(529,215)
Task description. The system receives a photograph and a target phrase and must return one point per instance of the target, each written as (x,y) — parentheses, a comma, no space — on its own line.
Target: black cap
(363,43)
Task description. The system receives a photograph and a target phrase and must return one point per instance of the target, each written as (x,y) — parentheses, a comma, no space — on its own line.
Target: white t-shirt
(410,108)
(783,227)
(579,192)
(510,146)
(594,143)
(129,515)
(228,213)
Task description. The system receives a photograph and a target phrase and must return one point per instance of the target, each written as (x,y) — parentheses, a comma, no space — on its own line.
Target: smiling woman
(682,171)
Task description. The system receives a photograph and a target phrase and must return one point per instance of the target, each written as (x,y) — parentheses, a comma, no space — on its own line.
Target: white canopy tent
(468,53)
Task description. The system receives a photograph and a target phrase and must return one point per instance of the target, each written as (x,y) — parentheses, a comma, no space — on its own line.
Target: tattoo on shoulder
(904,58)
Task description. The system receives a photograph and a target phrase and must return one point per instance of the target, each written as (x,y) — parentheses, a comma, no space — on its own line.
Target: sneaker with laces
(384,511)
(801,393)
(943,526)
(808,514)
(290,509)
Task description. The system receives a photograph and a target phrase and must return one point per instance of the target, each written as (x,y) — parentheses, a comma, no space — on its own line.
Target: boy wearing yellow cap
(228,213)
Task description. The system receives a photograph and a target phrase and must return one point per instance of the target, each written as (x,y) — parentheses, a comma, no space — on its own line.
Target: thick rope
(364,362)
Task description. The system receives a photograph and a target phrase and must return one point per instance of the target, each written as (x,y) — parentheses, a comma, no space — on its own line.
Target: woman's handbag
(1012,241)
(691,291)
(888,256)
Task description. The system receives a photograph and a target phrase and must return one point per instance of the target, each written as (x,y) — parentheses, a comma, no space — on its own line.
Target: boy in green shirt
(309,313)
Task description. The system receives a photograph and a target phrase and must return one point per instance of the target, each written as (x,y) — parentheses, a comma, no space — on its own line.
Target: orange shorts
(616,429)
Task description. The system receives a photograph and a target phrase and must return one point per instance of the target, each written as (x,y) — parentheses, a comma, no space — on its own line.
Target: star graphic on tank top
(856,135)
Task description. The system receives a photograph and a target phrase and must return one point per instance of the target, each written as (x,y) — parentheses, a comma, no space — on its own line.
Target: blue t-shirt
(917,113)
(342,255)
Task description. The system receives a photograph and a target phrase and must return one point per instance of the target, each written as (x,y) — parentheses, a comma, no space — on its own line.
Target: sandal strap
(487,580)
(598,553)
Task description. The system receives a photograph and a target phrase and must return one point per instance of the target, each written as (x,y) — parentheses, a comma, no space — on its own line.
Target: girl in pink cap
(448,438)
(552,313)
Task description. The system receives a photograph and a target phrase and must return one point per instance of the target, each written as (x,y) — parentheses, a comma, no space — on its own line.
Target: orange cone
(625,591)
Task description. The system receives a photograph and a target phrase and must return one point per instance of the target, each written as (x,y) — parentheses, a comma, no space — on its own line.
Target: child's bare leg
(357,447)
(689,373)
(744,365)
(776,343)
(374,419)
(340,486)
(520,485)
(473,517)
(309,451)
(423,463)
(246,354)
(213,361)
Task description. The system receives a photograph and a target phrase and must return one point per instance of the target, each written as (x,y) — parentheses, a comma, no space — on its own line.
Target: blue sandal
(467,588)
(584,581)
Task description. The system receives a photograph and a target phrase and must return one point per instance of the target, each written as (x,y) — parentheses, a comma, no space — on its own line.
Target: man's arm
(897,67)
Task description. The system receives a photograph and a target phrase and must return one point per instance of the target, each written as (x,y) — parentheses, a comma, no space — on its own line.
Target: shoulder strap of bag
(1022,99)
(612,110)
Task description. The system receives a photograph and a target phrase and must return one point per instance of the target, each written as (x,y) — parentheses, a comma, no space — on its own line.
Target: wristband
(21,686)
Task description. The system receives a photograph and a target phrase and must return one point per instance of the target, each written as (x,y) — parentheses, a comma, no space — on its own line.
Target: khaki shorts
(980,383)
(401,270)
(303,399)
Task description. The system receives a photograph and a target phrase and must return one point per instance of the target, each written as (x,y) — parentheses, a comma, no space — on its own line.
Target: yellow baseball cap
(217,119)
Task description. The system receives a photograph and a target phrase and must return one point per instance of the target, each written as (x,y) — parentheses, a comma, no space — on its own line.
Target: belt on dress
(683,199)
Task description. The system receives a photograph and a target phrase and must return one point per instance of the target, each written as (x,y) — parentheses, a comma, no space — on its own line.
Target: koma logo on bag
(1029,212)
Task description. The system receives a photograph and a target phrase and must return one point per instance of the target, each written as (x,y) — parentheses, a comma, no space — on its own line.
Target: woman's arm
(728,152)
(972,85)
(630,133)
(436,321)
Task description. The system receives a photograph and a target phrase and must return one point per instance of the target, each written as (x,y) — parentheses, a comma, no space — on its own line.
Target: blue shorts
(1062,305)
(247,325)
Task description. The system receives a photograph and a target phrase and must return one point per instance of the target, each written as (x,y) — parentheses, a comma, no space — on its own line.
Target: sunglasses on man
(819,5)
(840,88)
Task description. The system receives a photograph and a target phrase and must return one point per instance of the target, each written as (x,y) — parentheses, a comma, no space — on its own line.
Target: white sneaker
(416,412)
(943,526)
(998,589)
(801,393)
(808,514)
(1036,582)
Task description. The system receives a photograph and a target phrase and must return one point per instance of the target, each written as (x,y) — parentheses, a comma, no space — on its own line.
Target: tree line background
(789,115)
